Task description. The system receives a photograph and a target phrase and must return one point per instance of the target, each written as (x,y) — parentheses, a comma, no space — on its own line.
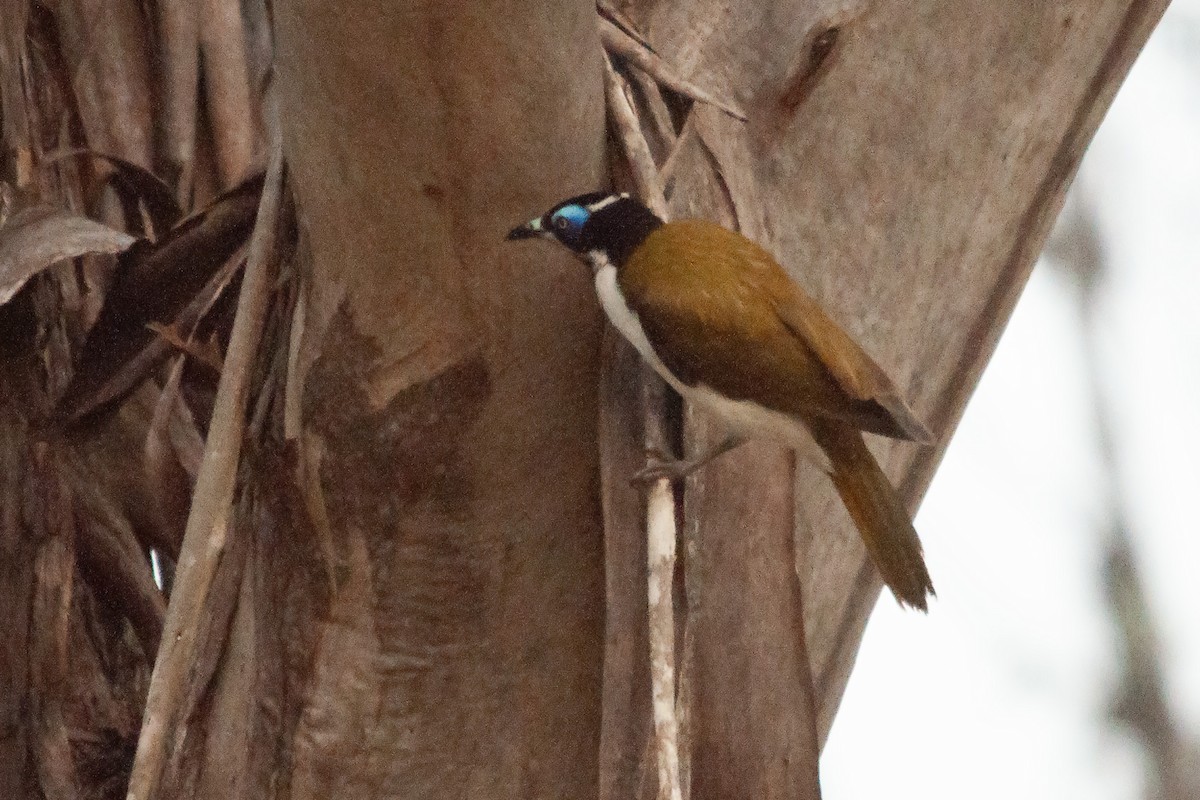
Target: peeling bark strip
(754,708)
(53,570)
(112,560)
(34,239)
(106,44)
(209,520)
(660,537)
(620,43)
(137,182)
(627,718)
(660,519)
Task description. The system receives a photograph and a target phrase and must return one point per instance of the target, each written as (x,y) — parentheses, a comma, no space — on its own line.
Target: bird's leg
(677,469)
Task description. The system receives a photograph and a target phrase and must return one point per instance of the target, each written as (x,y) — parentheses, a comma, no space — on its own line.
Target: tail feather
(876,509)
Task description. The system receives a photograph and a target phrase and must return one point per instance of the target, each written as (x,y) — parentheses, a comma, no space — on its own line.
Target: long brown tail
(876,509)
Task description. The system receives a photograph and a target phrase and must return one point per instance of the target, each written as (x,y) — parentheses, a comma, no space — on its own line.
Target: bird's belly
(743,417)
(749,419)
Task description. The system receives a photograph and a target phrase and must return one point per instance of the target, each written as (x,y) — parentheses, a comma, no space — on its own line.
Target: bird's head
(600,227)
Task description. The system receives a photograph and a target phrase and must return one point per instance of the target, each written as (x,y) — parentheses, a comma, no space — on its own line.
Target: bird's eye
(567,224)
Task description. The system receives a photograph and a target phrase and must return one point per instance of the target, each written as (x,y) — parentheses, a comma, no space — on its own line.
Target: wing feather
(746,330)
(856,372)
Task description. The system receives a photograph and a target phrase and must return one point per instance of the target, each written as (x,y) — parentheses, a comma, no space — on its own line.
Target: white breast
(625,321)
(744,417)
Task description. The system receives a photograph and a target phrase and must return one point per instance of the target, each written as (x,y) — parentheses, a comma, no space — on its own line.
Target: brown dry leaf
(163,466)
(100,384)
(111,558)
(172,281)
(135,181)
(166,276)
(186,438)
(619,18)
(37,237)
(206,352)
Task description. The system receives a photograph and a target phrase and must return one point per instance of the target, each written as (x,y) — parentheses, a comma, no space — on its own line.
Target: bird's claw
(660,465)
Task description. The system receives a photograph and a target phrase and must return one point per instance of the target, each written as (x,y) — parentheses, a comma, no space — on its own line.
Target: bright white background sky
(1003,691)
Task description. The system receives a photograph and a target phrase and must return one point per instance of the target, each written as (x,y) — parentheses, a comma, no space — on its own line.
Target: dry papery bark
(413,564)
(100,440)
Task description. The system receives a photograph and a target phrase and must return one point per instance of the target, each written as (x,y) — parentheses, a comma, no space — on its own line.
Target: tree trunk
(449,406)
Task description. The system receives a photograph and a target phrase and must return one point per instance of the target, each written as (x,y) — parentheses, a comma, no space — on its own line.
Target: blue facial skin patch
(567,223)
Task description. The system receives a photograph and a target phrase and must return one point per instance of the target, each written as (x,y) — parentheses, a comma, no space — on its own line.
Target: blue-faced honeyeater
(721,322)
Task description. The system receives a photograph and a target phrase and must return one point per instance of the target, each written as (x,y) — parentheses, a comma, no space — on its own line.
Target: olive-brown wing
(857,373)
(719,311)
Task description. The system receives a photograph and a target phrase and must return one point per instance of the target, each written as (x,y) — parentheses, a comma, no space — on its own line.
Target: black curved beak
(529,230)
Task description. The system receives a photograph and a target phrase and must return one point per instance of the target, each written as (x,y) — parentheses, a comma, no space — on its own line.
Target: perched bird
(721,322)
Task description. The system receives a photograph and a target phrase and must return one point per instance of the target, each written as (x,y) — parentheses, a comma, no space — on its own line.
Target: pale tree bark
(428,578)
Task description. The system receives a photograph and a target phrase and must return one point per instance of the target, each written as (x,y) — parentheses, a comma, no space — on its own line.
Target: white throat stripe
(608,201)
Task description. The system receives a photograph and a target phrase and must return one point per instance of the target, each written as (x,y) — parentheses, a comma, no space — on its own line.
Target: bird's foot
(660,465)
